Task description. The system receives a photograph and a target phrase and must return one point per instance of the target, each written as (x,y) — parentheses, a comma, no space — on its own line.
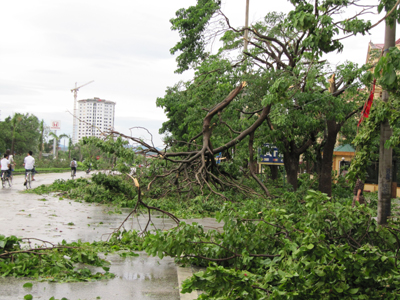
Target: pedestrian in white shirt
(29,164)
(12,162)
(5,164)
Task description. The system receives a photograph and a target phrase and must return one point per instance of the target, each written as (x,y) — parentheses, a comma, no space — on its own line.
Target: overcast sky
(46,46)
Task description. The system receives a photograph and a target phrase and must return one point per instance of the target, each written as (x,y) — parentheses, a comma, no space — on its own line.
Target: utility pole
(75,124)
(54,145)
(246,25)
(385,155)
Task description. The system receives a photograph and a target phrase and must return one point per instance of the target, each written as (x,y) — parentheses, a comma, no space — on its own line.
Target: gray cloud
(10,88)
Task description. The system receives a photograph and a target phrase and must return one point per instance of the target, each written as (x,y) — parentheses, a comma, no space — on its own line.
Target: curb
(183,274)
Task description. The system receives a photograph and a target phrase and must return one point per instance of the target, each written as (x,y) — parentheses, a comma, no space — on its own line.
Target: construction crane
(75,125)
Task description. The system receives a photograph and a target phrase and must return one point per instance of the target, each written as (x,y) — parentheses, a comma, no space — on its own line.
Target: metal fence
(373,172)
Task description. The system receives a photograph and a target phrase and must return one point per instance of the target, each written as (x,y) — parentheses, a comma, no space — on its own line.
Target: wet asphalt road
(53,219)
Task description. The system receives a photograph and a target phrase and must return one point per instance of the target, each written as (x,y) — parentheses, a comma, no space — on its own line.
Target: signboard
(55,125)
(269,155)
(219,158)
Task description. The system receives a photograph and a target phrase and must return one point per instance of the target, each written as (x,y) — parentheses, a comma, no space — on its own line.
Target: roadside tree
(20,133)
(284,75)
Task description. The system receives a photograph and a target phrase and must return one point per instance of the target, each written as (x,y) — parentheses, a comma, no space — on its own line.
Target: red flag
(367,105)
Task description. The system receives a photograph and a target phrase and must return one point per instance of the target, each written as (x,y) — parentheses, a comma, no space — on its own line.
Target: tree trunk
(291,161)
(385,155)
(309,167)
(56,148)
(12,145)
(41,150)
(13,141)
(325,174)
(274,172)
(41,145)
(252,165)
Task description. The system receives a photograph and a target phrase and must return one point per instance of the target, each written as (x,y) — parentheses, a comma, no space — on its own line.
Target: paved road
(50,218)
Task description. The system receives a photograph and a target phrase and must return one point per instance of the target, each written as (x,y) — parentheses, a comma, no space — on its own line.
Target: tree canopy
(305,102)
(22,131)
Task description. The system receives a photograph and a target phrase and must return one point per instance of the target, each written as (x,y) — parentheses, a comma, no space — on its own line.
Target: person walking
(358,192)
(73,165)
(29,164)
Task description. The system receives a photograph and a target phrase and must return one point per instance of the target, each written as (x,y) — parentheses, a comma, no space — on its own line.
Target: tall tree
(41,140)
(17,118)
(57,139)
(385,116)
(385,154)
(283,78)
(70,145)
(289,47)
(20,133)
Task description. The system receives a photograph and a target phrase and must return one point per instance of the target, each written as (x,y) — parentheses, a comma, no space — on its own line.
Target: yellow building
(342,155)
(374,52)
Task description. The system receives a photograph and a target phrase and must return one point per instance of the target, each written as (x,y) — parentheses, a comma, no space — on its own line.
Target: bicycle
(28,179)
(5,179)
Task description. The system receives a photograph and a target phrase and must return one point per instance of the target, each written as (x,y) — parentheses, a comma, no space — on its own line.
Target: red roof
(380,46)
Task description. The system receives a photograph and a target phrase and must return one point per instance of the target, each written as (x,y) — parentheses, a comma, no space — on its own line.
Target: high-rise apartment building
(95,116)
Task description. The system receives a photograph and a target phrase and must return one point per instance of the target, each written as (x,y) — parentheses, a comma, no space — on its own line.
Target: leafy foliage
(118,191)
(293,246)
(44,170)
(386,69)
(387,5)
(367,139)
(121,241)
(24,129)
(58,263)
(285,78)
(102,189)
(191,24)
(319,250)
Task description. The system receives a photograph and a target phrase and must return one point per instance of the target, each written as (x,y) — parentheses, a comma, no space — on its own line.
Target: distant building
(374,53)
(95,117)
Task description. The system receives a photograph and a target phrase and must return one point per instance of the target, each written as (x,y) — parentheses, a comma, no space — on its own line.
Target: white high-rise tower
(94,117)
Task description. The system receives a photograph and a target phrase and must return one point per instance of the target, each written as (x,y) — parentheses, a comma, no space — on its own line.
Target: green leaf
(28,297)
(339,290)
(310,246)
(27,285)
(353,291)
(392,77)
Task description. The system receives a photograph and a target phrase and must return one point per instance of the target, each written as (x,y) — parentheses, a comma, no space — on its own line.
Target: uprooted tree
(291,247)
(279,90)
